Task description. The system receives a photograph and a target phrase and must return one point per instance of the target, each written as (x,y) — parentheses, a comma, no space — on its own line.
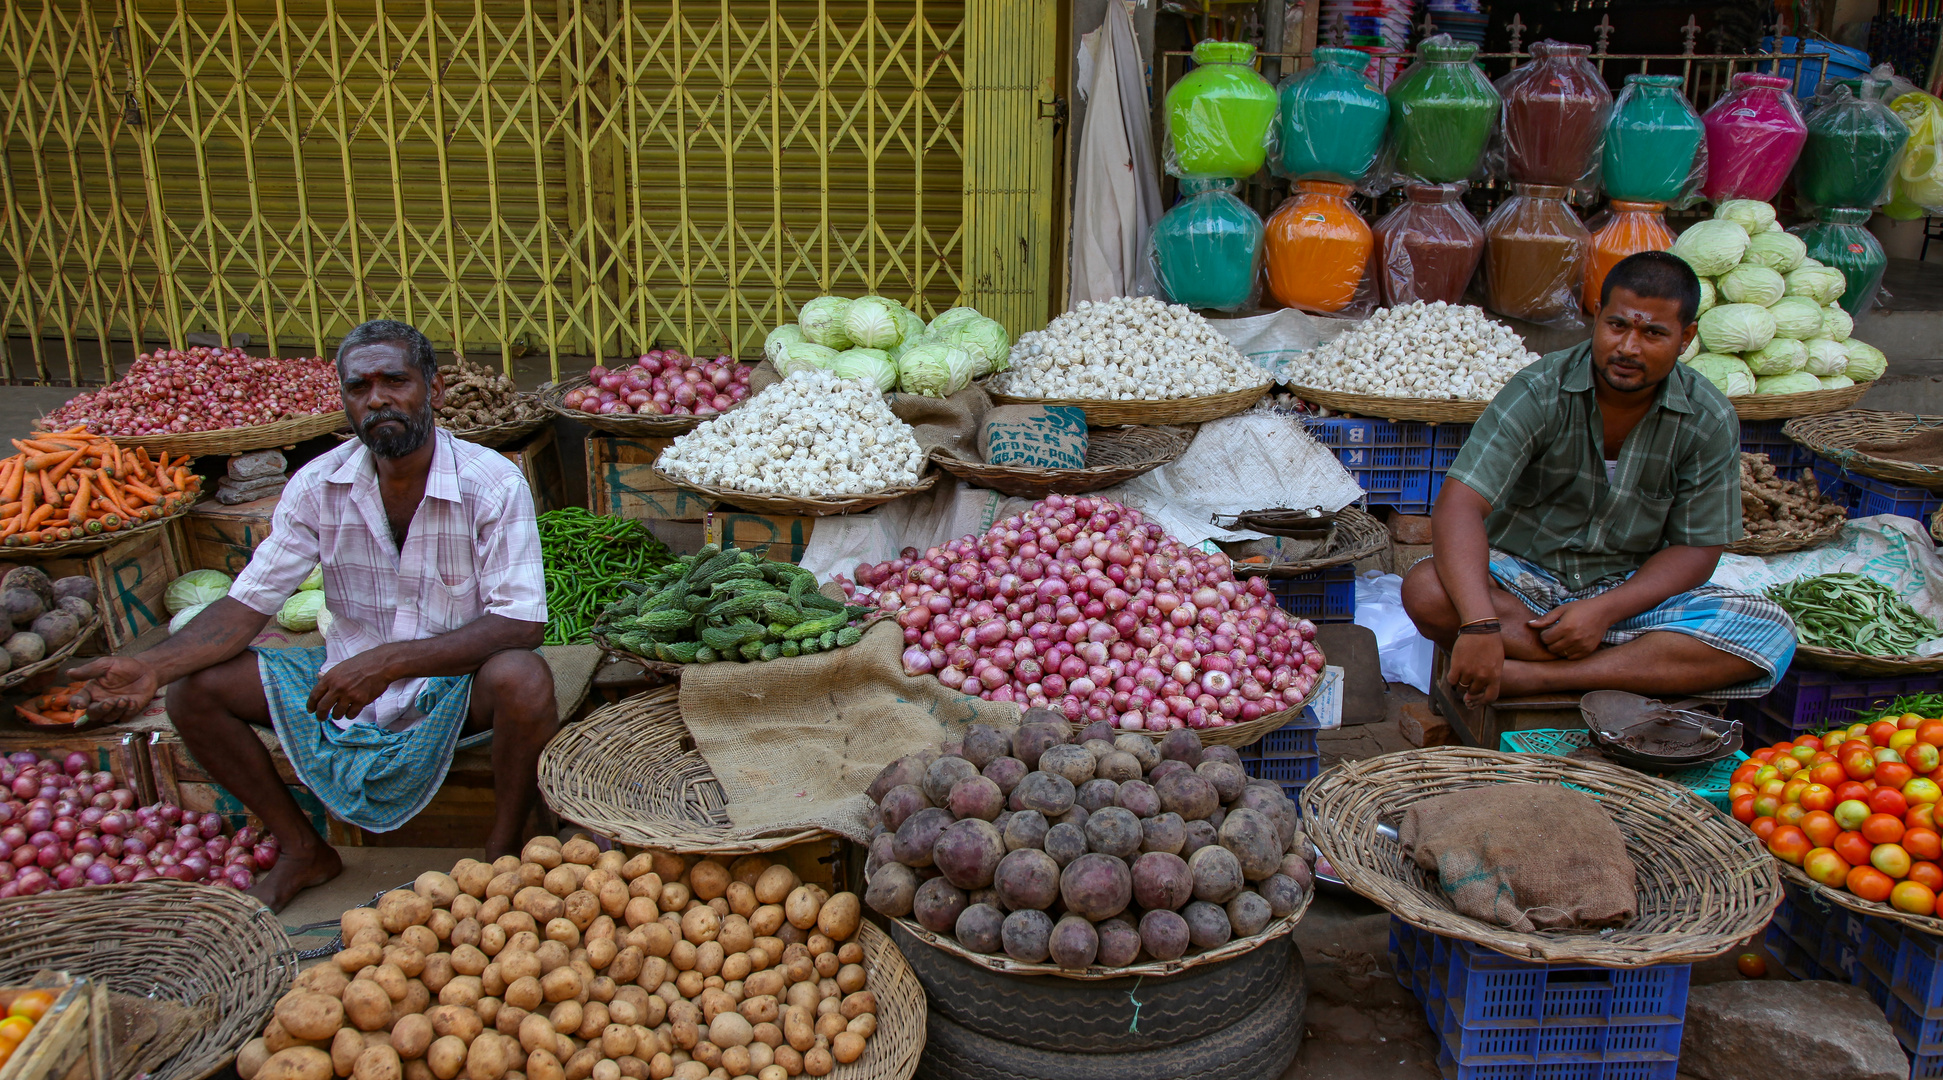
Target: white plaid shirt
(473,549)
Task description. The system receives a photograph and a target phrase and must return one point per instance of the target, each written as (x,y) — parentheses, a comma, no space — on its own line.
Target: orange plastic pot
(1318,248)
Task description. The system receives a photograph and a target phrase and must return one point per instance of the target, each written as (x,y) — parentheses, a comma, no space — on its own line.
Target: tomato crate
(1324,596)
(1451,1069)
(1293,739)
(1290,768)
(1805,700)
(1559,1043)
(1765,437)
(1793,959)
(1373,444)
(1926,1067)
(1877,990)
(1917,1034)
(1838,956)
(1709,782)
(1497,991)
(1879,945)
(1866,496)
(1914,975)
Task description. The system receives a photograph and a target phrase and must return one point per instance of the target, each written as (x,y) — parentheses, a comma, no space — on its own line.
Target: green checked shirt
(1537,455)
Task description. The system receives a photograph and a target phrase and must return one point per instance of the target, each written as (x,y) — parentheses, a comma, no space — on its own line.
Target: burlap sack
(1525,856)
(795,741)
(1043,436)
(950,424)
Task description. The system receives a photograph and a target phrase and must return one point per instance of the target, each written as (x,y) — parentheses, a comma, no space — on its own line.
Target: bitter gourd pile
(728,604)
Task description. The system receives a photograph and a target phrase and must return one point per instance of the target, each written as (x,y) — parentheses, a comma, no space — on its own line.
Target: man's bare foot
(294,872)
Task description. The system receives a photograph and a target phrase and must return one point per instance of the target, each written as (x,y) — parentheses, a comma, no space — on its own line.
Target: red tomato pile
(1854,808)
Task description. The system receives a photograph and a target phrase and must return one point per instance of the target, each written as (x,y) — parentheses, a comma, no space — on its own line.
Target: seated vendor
(1575,535)
(431,567)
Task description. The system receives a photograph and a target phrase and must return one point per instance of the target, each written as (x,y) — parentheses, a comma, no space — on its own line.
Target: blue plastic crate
(1497,991)
(1915,976)
(1320,596)
(1919,1035)
(1879,944)
(1451,1069)
(1285,770)
(1289,740)
(1765,437)
(1865,496)
(1926,1067)
(1838,957)
(1793,958)
(1805,700)
(1710,782)
(1877,990)
(1553,1041)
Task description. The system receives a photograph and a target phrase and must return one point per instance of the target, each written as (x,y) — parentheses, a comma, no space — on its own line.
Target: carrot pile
(67,485)
(59,707)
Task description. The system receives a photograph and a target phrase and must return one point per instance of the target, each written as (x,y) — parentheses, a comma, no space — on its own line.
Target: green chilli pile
(1855,614)
(586,557)
(728,604)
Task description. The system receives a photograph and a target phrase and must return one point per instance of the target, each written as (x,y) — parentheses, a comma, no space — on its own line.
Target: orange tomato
(1789,844)
(1891,859)
(1928,873)
(1791,791)
(6,1051)
(1735,791)
(33,1004)
(1744,808)
(1834,739)
(1882,829)
(1804,754)
(1809,741)
(1893,774)
(1887,800)
(1791,813)
(1786,767)
(1881,730)
(1820,827)
(1870,884)
(1913,897)
(1931,732)
(1850,789)
(1817,797)
(1825,866)
(1921,817)
(1909,721)
(1763,755)
(1859,765)
(1853,847)
(1923,843)
(1746,772)
(14,1029)
(1751,965)
(1763,827)
(1828,773)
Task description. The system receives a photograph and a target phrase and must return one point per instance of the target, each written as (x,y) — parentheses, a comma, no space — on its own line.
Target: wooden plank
(621,481)
(131,578)
(782,537)
(224,537)
(538,459)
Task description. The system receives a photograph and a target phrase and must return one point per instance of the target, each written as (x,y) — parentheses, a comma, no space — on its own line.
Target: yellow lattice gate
(551,176)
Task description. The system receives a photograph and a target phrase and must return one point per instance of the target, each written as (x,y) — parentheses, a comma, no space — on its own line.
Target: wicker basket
(799,505)
(15,676)
(649,664)
(242,440)
(1777,545)
(1835,436)
(641,427)
(1152,413)
(507,432)
(1782,406)
(1844,662)
(1393,408)
(61,549)
(1704,882)
(657,794)
(1112,456)
(1358,535)
(1245,733)
(892,1053)
(201,945)
(1792,875)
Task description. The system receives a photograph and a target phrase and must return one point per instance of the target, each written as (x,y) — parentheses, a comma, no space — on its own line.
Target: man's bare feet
(294,872)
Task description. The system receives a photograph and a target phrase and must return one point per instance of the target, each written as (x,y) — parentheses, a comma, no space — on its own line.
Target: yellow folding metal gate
(560,176)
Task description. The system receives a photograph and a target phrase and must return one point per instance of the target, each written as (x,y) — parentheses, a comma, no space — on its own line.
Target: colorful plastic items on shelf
(1207,250)
(1428,247)
(1442,110)
(1221,115)
(1629,228)
(1841,239)
(1318,248)
(1555,111)
(1655,148)
(1331,121)
(1754,134)
(1534,256)
(1854,144)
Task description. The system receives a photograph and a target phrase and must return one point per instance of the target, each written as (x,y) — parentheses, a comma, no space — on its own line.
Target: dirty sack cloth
(1041,436)
(1525,856)
(1925,447)
(949,424)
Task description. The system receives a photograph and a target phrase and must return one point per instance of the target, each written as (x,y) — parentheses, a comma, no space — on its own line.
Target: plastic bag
(1754,133)
(1207,250)
(1622,229)
(1428,247)
(1841,239)
(1318,251)
(1221,115)
(1331,121)
(1655,147)
(1442,111)
(1535,257)
(1555,110)
(1404,654)
(1917,187)
(1854,144)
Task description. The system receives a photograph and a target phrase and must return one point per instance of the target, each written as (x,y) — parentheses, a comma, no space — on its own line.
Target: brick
(1405,556)
(1410,528)
(1419,726)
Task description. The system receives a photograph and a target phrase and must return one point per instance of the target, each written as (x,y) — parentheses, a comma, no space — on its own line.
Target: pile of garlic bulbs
(1126,349)
(1445,352)
(811,434)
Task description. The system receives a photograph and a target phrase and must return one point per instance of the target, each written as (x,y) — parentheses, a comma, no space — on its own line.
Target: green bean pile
(586,557)
(1853,613)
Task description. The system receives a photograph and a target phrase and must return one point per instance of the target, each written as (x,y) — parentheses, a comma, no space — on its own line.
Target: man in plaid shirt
(432,573)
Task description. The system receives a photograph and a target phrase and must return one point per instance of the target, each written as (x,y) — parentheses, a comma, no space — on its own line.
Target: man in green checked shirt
(1575,534)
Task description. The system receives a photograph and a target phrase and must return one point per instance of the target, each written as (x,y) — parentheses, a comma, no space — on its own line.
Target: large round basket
(757,503)
(508,432)
(209,948)
(16,676)
(892,1053)
(1358,535)
(1393,408)
(631,773)
(1781,406)
(1245,733)
(1844,662)
(1196,410)
(1778,545)
(646,427)
(1836,435)
(1704,881)
(61,549)
(1113,455)
(1929,924)
(241,440)
(648,663)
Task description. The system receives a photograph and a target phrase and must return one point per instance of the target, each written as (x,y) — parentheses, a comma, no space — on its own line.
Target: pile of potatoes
(568,962)
(1095,852)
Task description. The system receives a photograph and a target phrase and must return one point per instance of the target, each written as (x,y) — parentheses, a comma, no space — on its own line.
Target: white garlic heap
(811,434)
(1447,352)
(1126,349)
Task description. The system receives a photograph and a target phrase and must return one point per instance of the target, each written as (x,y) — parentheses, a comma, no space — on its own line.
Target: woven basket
(892,1053)
(1358,535)
(87,544)
(658,667)
(1152,413)
(631,773)
(1113,455)
(1245,733)
(1781,406)
(242,440)
(164,939)
(1394,408)
(1704,882)
(1844,898)
(643,427)
(1835,436)
(799,505)
(507,432)
(15,676)
(1776,545)
(1844,662)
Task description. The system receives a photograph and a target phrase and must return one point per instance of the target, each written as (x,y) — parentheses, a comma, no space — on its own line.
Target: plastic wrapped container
(1754,134)
(1917,189)
(1555,111)
(1655,148)
(1535,256)
(1331,120)
(1428,247)
(1207,249)
(1221,115)
(1626,228)
(1841,239)
(1442,110)
(1854,144)
(1318,248)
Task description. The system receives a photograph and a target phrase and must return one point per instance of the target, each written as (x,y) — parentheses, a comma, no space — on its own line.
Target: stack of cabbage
(189,594)
(1769,321)
(882,342)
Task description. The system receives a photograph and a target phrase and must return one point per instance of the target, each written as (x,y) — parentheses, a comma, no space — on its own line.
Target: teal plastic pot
(1207,250)
(1854,144)
(1331,121)
(1651,141)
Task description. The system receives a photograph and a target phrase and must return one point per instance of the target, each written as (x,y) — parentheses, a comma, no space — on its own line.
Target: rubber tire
(1046,1012)
(1258,1047)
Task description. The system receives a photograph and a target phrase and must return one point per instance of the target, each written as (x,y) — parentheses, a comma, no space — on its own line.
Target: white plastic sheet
(1404,655)
(928,518)
(1896,551)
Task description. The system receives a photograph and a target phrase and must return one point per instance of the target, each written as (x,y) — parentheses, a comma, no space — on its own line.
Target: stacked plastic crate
(1710,782)
(1805,700)
(1866,496)
(1287,755)
(1398,465)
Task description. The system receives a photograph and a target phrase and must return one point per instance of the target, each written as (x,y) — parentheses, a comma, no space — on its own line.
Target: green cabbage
(1692,350)
(1736,328)
(909,325)
(779,339)
(1709,296)
(324,620)
(314,580)
(869,324)
(984,338)
(1836,323)
(1836,382)
(1750,283)
(299,613)
(1866,362)
(822,321)
(1796,317)
(1822,284)
(1711,247)
(804,356)
(1778,251)
(196,587)
(1825,357)
(1795,382)
(1774,226)
(1726,372)
(185,617)
(1777,357)
(952,317)
(934,369)
(872,366)
(1751,215)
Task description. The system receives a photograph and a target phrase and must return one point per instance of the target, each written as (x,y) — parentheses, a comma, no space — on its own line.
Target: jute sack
(949,424)
(1044,436)
(1524,856)
(795,741)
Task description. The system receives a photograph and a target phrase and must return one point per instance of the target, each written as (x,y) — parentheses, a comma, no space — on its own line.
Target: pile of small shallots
(204,389)
(663,382)
(1080,605)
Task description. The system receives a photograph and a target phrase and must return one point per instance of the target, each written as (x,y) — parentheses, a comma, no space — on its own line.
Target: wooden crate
(781,537)
(224,537)
(538,459)
(131,578)
(621,481)
(69,1042)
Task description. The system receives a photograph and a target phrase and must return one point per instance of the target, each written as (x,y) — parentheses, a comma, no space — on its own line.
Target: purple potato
(1296,868)
(1220,753)
(1140,746)
(1095,794)
(1188,795)
(1226,776)
(1163,934)
(1138,796)
(1027,936)
(1217,874)
(975,797)
(900,803)
(1163,832)
(1119,767)
(1075,763)
(1167,768)
(1250,835)
(880,853)
(893,889)
(1006,772)
(985,744)
(1103,730)
(914,839)
(1033,739)
(1074,943)
(1048,793)
(1207,925)
(1065,843)
(1248,913)
(1095,886)
(1026,829)
(1283,893)
(1216,816)
(942,775)
(968,852)
(1075,816)
(1119,943)
(1161,880)
(979,928)
(938,904)
(1114,831)
(905,770)
(1181,744)
(1027,879)
(1199,835)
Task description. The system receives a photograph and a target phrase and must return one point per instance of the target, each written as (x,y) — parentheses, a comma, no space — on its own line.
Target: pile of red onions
(1080,606)
(62,826)
(204,389)
(664,383)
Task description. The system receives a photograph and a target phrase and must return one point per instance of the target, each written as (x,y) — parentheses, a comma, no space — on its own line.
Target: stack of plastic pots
(1854,146)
